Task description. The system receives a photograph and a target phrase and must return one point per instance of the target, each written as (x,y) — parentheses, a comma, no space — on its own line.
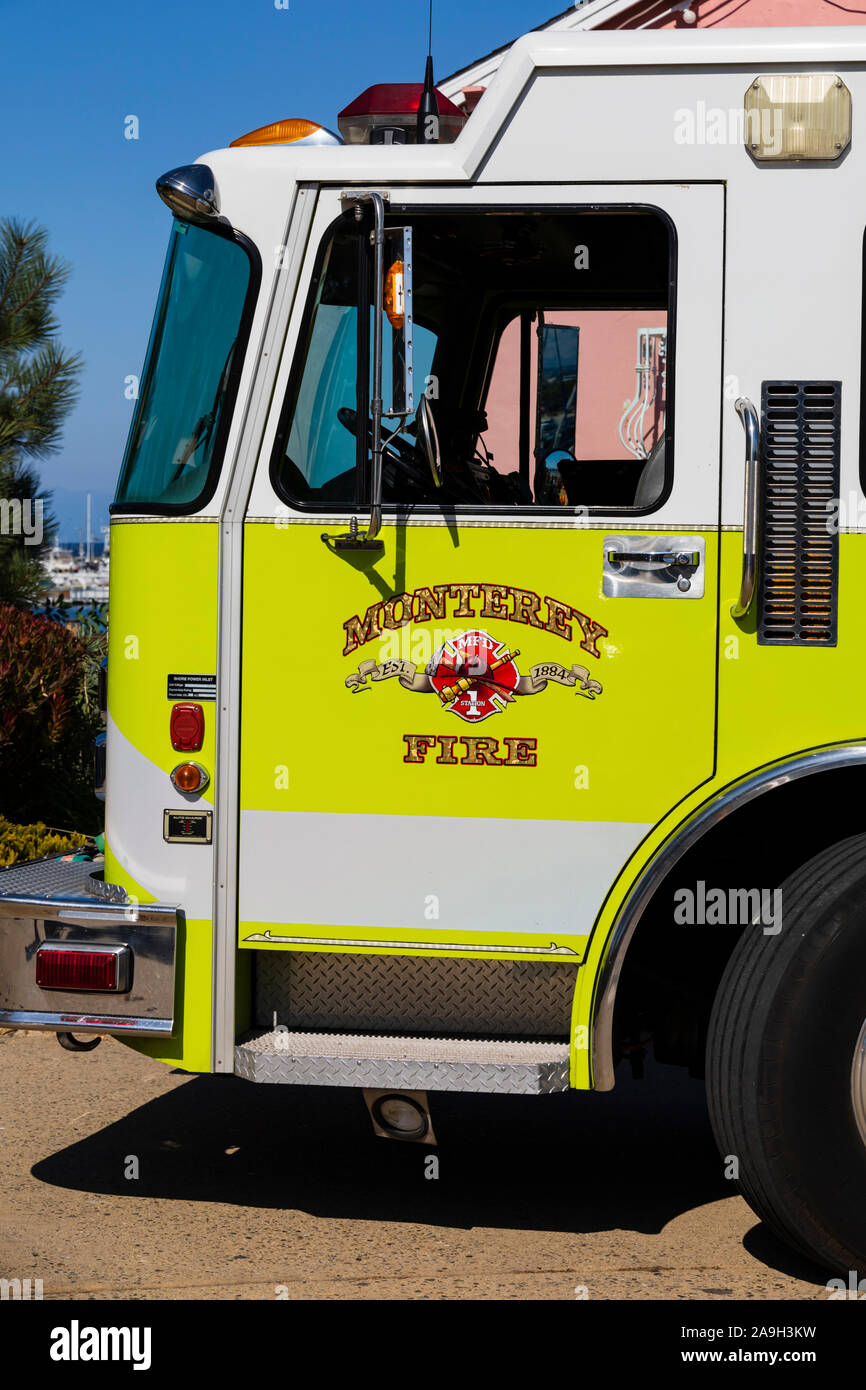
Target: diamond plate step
(514,1067)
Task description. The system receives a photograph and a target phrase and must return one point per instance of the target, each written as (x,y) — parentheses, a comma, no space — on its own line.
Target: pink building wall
(606,380)
(744,14)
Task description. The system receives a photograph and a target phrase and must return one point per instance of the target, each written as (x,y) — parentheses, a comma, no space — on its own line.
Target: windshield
(173,453)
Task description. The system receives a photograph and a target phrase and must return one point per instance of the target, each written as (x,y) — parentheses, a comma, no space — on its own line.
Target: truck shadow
(632,1159)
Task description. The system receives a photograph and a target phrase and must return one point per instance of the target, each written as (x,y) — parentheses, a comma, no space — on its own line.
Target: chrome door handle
(751,508)
(683,559)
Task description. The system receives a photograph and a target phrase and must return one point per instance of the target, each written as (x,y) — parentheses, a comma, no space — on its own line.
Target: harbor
(78,574)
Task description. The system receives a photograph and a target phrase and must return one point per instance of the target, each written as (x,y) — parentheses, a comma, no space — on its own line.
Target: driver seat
(652,477)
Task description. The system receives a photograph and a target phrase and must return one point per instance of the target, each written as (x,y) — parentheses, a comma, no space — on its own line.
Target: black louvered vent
(800,550)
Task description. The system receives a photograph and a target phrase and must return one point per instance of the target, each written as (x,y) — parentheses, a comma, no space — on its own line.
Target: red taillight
(187,728)
(78,968)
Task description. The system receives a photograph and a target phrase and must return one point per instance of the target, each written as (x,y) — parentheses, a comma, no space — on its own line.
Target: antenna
(427,129)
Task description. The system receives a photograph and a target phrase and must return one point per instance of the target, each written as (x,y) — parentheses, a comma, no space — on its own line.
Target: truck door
(456,742)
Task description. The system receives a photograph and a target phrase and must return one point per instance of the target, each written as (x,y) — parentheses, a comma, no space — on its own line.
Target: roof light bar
(390,109)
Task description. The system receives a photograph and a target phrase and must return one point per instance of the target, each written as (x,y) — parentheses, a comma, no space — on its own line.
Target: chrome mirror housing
(190,192)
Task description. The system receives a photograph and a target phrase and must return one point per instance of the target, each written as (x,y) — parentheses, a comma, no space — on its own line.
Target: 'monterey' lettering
(500,601)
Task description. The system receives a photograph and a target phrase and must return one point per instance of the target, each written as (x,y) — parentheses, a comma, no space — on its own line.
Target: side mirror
(428,439)
(190,192)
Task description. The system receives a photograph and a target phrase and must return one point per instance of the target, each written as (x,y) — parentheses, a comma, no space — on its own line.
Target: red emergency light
(387,114)
(102,968)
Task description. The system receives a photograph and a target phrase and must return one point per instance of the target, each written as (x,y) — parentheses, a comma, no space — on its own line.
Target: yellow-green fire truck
(485,690)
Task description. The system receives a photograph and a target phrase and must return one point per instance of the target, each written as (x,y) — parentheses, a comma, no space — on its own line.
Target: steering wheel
(200,435)
(404,465)
(204,427)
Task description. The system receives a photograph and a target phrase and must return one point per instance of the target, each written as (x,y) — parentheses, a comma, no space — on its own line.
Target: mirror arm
(357,539)
(376,401)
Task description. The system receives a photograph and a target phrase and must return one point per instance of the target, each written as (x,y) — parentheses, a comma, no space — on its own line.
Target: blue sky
(196,73)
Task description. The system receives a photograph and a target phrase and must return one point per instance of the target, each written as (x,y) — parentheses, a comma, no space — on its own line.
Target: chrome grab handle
(751,503)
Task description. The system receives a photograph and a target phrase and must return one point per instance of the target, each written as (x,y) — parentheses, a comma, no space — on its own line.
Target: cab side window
(543,341)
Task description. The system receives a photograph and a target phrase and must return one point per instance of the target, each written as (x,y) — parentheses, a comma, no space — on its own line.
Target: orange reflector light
(278,133)
(189,777)
(395,303)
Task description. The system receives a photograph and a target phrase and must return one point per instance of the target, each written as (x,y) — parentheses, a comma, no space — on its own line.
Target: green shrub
(48,721)
(19,843)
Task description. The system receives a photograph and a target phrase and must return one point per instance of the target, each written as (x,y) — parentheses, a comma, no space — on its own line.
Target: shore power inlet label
(191,687)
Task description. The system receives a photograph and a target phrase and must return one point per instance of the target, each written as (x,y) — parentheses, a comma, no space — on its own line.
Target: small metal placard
(187,828)
(191,687)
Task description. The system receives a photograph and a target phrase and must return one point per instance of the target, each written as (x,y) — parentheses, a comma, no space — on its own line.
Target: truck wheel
(786,1061)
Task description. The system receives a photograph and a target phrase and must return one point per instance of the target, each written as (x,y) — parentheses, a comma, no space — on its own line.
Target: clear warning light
(794,116)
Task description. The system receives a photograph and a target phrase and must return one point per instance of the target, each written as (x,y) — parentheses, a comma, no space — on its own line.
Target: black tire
(784,1026)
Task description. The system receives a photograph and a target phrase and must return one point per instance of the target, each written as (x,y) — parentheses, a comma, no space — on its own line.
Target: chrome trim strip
(86,910)
(751,508)
(73,909)
(731,798)
(284,287)
(358,944)
(86,1023)
(500,523)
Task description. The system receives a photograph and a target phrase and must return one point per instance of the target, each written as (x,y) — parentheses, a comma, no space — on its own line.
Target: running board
(403,1063)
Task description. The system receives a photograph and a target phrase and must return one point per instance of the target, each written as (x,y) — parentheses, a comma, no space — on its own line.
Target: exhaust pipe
(401,1115)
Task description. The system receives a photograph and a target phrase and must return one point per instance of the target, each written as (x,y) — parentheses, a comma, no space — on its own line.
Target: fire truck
(546,419)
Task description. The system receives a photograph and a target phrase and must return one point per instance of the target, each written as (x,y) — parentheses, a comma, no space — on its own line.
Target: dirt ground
(264,1192)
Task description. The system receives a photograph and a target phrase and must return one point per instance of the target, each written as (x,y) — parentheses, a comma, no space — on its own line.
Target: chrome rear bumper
(63,900)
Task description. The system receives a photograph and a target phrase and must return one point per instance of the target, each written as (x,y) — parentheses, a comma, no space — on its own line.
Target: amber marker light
(189,777)
(394,298)
(288,132)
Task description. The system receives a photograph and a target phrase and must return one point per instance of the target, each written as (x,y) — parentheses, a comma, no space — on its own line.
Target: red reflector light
(187,728)
(82,969)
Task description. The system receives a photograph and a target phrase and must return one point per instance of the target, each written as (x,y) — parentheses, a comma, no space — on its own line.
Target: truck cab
(553,426)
